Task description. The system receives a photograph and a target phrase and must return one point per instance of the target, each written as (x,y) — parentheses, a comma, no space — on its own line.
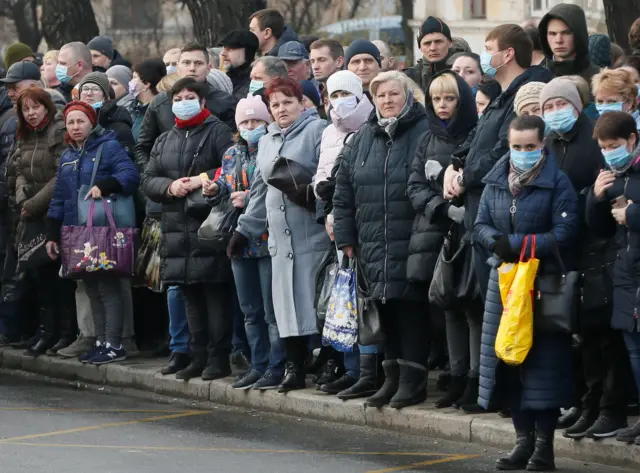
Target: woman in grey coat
(297,242)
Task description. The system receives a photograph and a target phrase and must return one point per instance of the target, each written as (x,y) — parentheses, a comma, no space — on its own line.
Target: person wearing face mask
(526,194)
(349,110)
(615,90)
(96,91)
(119,78)
(74,62)
(612,210)
(598,406)
(181,160)
(143,88)
(451,114)
(252,270)
(171,59)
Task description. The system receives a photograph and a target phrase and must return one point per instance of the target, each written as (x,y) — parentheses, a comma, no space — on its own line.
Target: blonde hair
(388,76)
(167,82)
(53,54)
(634,73)
(583,88)
(418,94)
(618,82)
(444,84)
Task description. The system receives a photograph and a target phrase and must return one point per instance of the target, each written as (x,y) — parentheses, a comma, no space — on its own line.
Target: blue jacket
(117,174)
(547,208)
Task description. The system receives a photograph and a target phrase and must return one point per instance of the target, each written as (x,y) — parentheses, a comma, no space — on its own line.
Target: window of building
(138,14)
(477,9)
(539,7)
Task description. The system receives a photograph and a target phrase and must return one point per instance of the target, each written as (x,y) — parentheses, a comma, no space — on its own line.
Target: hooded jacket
(424,71)
(114,117)
(8,124)
(118,60)
(287,35)
(581,65)
(439,142)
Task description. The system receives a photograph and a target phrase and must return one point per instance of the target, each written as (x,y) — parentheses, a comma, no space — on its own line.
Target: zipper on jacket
(512,210)
(33,155)
(74,163)
(635,312)
(386,236)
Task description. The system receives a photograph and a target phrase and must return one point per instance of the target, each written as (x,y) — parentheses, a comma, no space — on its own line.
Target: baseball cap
(293,51)
(22,71)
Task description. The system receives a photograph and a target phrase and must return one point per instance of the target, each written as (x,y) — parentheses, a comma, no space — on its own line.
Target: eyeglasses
(91,90)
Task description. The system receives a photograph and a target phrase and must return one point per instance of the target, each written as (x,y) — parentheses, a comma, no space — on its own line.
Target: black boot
(217,367)
(177,362)
(332,371)
(61,344)
(339,385)
(371,378)
(195,368)
(390,386)
(294,378)
(45,342)
(570,418)
(412,385)
(470,395)
(444,381)
(456,389)
(66,317)
(519,456)
(543,456)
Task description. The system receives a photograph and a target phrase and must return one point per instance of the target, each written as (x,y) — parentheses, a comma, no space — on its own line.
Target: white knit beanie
(347,81)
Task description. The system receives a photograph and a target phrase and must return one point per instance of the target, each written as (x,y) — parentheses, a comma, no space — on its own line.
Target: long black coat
(372,211)
(116,118)
(431,222)
(183,260)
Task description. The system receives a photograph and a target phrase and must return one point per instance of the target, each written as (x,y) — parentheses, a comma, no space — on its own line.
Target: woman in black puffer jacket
(451,112)
(373,218)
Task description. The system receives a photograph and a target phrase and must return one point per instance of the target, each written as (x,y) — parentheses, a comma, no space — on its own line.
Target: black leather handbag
(293,180)
(197,205)
(369,326)
(556,299)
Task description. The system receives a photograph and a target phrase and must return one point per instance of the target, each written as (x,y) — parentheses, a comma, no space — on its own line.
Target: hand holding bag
(341,324)
(325,278)
(294,181)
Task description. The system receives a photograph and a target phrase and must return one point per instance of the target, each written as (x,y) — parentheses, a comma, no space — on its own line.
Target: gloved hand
(503,249)
(456,213)
(304,197)
(432,170)
(236,245)
(325,189)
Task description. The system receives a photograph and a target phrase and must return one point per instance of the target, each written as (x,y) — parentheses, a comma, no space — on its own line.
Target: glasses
(91,90)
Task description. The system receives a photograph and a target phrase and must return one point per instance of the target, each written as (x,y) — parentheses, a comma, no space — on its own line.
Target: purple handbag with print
(89,252)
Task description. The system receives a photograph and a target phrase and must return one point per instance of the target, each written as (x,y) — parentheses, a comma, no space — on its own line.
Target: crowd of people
(532,145)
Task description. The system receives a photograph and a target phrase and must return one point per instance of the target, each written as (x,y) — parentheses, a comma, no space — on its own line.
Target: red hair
(288,87)
(35,95)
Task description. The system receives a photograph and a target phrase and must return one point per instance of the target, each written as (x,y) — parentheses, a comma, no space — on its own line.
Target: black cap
(241,39)
(22,71)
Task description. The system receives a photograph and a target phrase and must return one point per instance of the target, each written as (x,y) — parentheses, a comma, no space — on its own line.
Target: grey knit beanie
(102,44)
(220,81)
(98,78)
(561,88)
(120,73)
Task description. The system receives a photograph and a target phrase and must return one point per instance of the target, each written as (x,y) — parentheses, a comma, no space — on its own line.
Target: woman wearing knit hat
(96,91)
(119,78)
(116,174)
(182,160)
(252,271)
(527,101)
(578,154)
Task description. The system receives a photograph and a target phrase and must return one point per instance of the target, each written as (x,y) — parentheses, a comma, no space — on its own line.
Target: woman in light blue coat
(297,242)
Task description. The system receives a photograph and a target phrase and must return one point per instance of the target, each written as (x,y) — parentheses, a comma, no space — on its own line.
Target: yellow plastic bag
(515,334)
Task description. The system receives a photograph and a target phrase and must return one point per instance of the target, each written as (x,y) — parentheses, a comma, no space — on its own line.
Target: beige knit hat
(526,95)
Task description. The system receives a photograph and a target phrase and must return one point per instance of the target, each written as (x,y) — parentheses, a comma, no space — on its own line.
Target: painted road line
(450,458)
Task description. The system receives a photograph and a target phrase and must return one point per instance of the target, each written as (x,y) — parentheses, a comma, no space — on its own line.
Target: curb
(450,424)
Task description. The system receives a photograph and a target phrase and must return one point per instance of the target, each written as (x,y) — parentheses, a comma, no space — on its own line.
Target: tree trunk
(65,21)
(212,20)
(620,14)
(26,20)
(406,10)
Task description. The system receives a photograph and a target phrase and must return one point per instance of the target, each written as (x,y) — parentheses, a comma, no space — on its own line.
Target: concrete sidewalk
(485,429)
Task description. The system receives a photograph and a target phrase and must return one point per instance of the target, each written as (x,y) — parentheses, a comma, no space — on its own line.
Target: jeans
(352,360)
(107,302)
(464,332)
(178,326)
(239,341)
(406,327)
(267,348)
(632,340)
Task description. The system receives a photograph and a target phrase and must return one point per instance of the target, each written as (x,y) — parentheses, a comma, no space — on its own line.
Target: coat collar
(297,126)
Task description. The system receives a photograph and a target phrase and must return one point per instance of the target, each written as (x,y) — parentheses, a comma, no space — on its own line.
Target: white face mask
(344,106)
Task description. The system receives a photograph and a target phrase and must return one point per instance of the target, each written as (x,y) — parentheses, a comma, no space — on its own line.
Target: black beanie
(434,25)
(362,46)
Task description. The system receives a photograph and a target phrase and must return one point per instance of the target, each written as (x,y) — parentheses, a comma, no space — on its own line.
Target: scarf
(518,178)
(390,124)
(195,120)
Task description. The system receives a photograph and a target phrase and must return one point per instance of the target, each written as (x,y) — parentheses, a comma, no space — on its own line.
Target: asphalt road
(45,428)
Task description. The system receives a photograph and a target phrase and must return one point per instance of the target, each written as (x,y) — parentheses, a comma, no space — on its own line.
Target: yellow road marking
(103,426)
(98,411)
(451,458)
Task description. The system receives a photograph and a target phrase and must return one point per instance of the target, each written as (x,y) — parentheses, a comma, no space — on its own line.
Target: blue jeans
(178,327)
(267,348)
(239,342)
(632,340)
(352,359)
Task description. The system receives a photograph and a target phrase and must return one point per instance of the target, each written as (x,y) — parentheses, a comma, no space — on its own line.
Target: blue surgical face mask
(547,129)
(609,107)
(485,62)
(561,120)
(253,136)
(480,115)
(97,105)
(171,69)
(255,85)
(525,160)
(617,158)
(61,74)
(186,109)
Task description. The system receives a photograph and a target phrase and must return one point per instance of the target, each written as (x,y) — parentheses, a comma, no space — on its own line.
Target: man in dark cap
(296,57)
(435,43)
(364,60)
(238,52)
(104,55)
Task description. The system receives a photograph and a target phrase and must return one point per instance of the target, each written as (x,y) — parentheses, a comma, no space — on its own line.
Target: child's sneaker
(93,351)
(108,354)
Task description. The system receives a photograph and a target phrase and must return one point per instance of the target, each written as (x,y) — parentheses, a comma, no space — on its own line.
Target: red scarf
(41,126)
(194,121)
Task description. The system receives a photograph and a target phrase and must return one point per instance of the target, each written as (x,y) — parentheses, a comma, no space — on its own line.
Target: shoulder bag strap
(240,183)
(96,164)
(198,149)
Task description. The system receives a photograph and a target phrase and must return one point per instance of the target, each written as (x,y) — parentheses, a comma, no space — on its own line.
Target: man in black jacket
(238,52)
(507,58)
(194,62)
(435,43)
(104,55)
(268,25)
(565,42)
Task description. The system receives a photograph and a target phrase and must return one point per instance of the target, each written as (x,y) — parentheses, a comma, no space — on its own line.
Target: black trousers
(406,326)
(606,371)
(296,350)
(210,317)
